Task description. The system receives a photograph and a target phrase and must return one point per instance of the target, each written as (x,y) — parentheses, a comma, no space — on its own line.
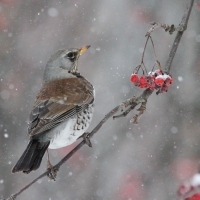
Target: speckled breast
(69,131)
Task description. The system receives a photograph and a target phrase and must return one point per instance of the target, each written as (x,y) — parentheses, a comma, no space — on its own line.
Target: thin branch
(130,102)
(183,26)
(168,28)
(141,110)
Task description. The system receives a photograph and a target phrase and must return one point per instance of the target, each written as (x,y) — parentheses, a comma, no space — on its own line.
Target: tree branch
(183,27)
(130,103)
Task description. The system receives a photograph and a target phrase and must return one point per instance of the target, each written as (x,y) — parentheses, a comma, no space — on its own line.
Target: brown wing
(57,101)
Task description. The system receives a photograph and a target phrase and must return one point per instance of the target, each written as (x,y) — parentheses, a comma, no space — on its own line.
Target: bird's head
(63,64)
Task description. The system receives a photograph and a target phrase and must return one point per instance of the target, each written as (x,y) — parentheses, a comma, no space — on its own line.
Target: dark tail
(32,157)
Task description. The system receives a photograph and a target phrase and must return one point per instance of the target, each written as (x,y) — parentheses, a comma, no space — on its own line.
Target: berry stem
(159,66)
(142,61)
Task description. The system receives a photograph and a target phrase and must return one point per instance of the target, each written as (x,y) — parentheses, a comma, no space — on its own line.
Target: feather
(57,101)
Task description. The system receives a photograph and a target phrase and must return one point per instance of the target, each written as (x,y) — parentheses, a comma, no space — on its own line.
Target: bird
(62,111)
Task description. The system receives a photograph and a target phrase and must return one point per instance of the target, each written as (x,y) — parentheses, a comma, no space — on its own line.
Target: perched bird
(62,111)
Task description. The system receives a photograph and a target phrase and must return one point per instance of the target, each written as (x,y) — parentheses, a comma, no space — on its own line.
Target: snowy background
(127,162)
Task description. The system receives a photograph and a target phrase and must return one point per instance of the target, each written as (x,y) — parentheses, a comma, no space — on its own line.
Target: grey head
(63,64)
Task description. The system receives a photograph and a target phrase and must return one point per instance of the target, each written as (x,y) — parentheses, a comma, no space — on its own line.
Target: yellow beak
(83,49)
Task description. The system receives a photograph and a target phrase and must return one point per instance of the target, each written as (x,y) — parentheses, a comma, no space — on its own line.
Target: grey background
(127,162)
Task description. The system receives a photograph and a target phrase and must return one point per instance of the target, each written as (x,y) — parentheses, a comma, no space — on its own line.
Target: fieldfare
(62,111)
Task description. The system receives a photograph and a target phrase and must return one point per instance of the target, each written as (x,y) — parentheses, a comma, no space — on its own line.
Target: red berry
(183,189)
(194,197)
(150,81)
(134,78)
(163,88)
(168,81)
(143,80)
(159,81)
(141,86)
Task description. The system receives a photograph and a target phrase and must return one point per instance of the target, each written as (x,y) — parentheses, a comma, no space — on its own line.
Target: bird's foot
(86,138)
(52,173)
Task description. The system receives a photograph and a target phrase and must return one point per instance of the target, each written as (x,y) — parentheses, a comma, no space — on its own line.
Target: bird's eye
(70,55)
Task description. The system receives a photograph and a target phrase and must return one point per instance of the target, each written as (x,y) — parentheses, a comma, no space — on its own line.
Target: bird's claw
(52,173)
(86,138)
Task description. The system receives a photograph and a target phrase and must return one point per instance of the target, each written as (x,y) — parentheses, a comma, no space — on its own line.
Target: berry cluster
(154,80)
(190,188)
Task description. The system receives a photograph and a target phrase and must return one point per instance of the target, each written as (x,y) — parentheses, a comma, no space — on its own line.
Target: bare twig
(166,27)
(130,104)
(141,110)
(183,24)
(127,104)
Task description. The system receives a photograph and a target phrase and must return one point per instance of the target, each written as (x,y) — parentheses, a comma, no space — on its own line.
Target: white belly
(68,132)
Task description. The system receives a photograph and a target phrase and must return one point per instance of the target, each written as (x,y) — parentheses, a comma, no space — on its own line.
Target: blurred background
(127,162)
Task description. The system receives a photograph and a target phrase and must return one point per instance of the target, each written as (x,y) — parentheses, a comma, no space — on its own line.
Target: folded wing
(57,101)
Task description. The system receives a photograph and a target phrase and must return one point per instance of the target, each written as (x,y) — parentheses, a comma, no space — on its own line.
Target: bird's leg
(52,172)
(86,138)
